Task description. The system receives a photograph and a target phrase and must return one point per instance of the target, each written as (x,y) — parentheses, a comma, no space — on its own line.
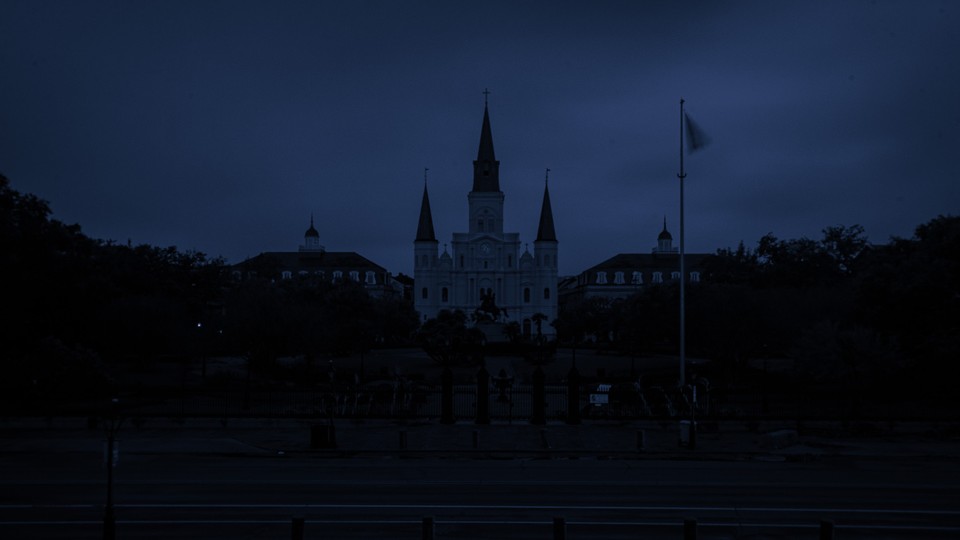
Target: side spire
(425,227)
(546,232)
(486,168)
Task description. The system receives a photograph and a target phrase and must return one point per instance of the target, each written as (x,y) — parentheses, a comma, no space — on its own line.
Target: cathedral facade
(485,273)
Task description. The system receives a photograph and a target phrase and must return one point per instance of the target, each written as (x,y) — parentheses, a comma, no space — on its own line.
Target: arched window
(423,293)
(444,295)
(526,295)
(546,293)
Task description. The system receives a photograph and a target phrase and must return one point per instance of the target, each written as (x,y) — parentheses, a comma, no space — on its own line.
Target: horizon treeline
(850,314)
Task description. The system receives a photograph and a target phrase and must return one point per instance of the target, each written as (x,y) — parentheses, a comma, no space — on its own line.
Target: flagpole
(683,344)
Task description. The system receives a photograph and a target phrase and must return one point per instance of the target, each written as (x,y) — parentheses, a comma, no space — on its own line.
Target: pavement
(728,440)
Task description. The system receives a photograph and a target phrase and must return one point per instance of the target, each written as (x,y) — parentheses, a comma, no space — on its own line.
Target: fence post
(573,396)
(826,529)
(428,528)
(446,396)
(483,396)
(296,528)
(690,529)
(538,415)
(559,528)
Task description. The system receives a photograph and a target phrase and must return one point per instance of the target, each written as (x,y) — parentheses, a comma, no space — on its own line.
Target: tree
(447,340)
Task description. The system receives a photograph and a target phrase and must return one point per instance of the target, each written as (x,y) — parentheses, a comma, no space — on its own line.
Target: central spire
(486,169)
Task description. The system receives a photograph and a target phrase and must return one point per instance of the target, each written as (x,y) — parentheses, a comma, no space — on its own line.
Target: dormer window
(618,278)
(601,278)
(695,277)
(658,277)
(637,278)
(674,275)
(371,277)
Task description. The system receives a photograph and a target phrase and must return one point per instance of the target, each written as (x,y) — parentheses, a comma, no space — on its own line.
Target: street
(207,496)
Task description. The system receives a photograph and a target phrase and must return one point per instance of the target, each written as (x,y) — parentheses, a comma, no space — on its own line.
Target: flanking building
(625,274)
(313,262)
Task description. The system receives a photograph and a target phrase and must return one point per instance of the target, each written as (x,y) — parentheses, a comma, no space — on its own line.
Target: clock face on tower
(485,248)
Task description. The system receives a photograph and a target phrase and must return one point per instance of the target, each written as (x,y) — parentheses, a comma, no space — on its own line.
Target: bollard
(428,528)
(826,529)
(296,528)
(689,529)
(109,524)
(559,528)
(640,440)
(403,440)
(476,439)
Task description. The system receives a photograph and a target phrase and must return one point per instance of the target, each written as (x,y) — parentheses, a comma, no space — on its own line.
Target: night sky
(221,126)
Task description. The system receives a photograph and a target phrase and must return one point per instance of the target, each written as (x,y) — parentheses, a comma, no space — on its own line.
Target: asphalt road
(206,496)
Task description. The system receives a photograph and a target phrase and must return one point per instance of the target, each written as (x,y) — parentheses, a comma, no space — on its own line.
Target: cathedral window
(618,278)
(526,295)
(658,277)
(461,261)
(480,224)
(371,277)
(546,260)
(695,277)
(601,278)
(509,261)
(423,293)
(546,293)
(444,295)
(637,278)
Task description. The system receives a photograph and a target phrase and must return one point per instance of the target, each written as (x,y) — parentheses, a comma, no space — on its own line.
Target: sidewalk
(729,440)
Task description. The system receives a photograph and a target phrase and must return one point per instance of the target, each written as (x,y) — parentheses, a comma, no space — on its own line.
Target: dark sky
(221,126)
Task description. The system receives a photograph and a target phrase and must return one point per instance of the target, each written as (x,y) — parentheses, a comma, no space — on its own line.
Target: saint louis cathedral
(485,272)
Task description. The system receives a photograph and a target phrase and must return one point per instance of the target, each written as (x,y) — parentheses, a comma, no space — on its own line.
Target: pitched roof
(639,261)
(312,260)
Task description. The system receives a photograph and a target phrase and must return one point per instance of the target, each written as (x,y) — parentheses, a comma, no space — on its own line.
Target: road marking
(719,524)
(550,507)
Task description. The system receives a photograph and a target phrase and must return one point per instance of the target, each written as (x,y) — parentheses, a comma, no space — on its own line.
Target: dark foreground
(223,482)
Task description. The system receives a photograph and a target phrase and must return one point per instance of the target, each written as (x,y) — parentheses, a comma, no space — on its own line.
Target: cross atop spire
(485,94)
